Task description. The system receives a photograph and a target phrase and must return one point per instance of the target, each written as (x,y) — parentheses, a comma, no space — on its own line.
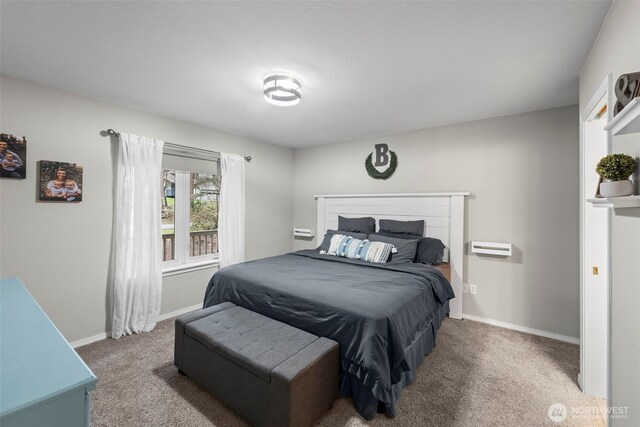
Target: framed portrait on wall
(60,181)
(13,156)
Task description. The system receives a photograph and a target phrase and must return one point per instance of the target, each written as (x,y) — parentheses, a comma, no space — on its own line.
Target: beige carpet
(478,375)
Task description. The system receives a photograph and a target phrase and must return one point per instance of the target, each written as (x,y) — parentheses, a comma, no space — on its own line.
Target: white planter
(616,188)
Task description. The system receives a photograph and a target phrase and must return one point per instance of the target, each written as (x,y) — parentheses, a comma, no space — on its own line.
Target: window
(189,214)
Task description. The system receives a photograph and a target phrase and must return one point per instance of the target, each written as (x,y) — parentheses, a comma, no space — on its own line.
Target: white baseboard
(105,335)
(519,328)
(90,340)
(499,323)
(580,382)
(179,312)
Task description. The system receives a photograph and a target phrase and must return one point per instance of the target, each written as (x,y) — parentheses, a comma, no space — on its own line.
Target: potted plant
(616,170)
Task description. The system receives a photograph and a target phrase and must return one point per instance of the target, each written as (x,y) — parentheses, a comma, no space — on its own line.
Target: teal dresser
(43,381)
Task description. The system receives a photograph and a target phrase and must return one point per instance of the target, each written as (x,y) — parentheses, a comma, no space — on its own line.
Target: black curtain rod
(116,134)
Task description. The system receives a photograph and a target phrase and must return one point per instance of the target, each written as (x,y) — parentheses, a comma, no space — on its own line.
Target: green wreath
(374,173)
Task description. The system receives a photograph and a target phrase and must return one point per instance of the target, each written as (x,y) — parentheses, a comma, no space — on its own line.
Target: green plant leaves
(374,173)
(616,167)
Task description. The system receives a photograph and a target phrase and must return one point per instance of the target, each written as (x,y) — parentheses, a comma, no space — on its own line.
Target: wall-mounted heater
(303,232)
(491,248)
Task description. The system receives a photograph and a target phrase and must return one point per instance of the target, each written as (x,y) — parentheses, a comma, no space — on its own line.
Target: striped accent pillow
(337,244)
(345,246)
(378,252)
(348,247)
(352,248)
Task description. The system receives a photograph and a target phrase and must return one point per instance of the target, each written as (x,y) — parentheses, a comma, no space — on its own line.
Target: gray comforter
(378,313)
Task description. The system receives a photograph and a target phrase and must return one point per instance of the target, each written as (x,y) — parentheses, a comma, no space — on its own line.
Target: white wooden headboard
(443,214)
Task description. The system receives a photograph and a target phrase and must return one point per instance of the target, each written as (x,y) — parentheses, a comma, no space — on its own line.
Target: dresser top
(36,362)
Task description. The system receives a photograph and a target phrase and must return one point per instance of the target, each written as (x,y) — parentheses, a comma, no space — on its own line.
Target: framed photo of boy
(13,156)
(60,181)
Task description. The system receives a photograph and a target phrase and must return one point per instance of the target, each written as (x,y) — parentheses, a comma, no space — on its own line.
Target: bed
(384,316)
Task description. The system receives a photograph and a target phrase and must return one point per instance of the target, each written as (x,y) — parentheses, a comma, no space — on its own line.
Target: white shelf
(616,202)
(303,232)
(491,248)
(627,121)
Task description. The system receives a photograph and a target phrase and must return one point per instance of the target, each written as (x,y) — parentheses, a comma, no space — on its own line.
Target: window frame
(182,262)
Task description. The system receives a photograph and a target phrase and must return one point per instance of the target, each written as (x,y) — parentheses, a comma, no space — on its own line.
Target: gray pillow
(430,250)
(357,225)
(324,246)
(413,228)
(406,248)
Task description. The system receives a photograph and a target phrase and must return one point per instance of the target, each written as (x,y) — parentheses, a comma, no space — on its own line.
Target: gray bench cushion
(256,342)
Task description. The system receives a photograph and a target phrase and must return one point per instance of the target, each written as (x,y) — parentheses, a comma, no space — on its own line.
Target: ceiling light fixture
(282,89)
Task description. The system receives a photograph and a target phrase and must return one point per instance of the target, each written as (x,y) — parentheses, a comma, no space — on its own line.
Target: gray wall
(617,51)
(523,173)
(61,251)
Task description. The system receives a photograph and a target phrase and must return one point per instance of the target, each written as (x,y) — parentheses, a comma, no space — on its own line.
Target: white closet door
(596,252)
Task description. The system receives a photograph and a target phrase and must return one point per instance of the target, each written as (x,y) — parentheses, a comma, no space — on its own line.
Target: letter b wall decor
(384,157)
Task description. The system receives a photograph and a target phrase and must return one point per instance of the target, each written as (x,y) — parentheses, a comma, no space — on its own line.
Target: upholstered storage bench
(269,372)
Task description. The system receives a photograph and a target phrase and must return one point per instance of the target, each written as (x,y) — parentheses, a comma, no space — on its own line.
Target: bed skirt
(369,400)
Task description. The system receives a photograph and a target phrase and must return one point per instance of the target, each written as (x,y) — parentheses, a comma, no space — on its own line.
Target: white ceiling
(368,68)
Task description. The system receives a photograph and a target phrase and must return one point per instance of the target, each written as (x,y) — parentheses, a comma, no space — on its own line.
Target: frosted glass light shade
(282,89)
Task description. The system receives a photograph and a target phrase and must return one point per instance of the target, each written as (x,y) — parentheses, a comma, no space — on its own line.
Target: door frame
(604,90)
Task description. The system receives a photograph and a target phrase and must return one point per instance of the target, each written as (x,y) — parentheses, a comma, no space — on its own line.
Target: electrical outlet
(473,289)
(465,288)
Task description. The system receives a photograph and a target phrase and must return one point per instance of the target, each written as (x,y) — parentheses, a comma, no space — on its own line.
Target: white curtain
(137,253)
(231,222)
